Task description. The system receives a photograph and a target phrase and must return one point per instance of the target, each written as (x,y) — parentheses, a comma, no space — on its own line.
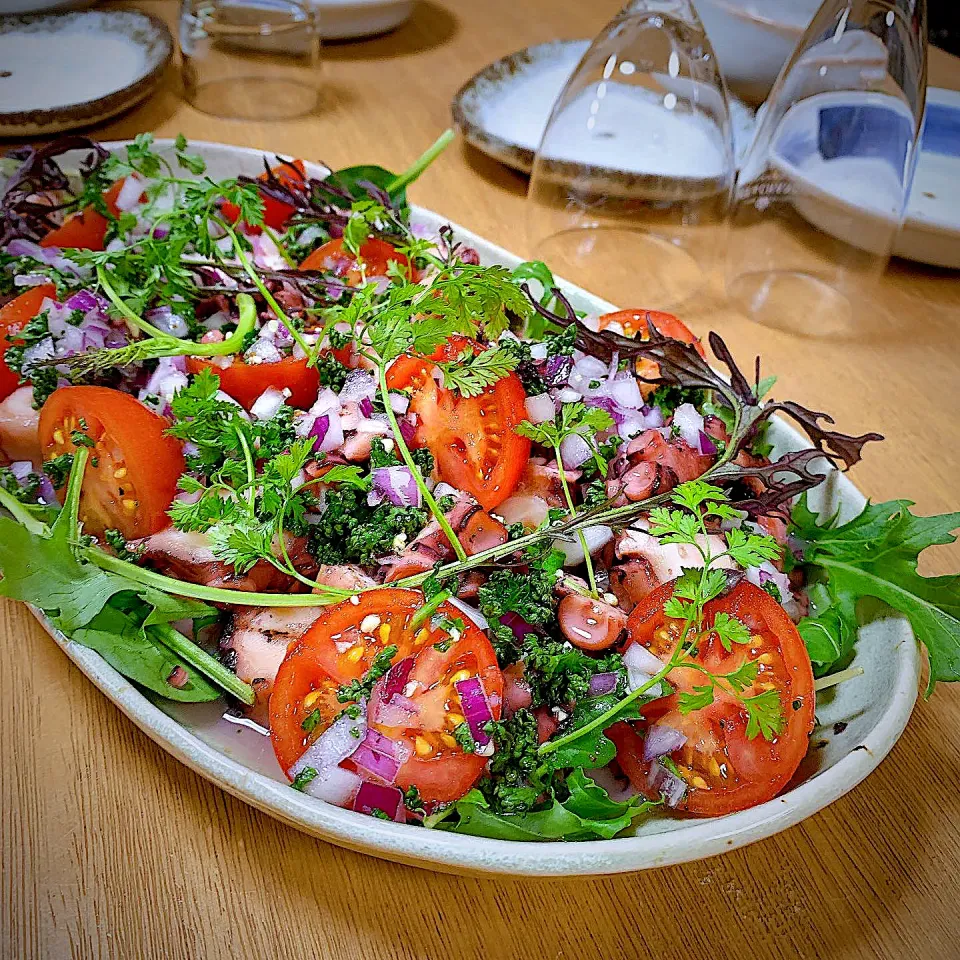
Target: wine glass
(824,186)
(631,185)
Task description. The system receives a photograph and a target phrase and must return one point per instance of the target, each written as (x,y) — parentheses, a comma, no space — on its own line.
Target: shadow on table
(429,26)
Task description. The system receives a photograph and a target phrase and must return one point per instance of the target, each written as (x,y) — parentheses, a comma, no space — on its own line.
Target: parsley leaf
(469,375)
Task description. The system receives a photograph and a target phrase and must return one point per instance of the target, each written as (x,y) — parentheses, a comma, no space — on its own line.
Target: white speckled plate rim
(691,840)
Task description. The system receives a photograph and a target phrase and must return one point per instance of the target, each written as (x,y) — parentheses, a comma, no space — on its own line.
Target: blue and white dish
(847,166)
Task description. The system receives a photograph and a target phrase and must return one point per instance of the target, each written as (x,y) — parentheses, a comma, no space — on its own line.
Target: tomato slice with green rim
(473,439)
(133,468)
(14,316)
(342,645)
(724,769)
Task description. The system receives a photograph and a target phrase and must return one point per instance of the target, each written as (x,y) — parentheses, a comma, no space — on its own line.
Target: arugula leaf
(350,178)
(593,749)
(875,555)
(587,813)
(130,650)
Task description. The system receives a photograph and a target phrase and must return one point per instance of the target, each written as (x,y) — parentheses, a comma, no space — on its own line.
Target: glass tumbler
(823,188)
(631,185)
(250,59)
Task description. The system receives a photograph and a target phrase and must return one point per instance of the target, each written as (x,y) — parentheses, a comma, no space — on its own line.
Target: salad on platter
(476,560)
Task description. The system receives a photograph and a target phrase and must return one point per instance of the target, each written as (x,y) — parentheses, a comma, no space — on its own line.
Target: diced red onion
(399,404)
(395,484)
(602,684)
(625,392)
(540,408)
(377,796)
(359,384)
(443,489)
(619,789)
(585,371)
(366,407)
(129,195)
(262,351)
(21,469)
(43,350)
(30,279)
(689,424)
(612,370)
(572,549)
(610,405)
(654,417)
(517,625)
(574,451)
(338,742)
(328,433)
(566,395)
(707,446)
(471,613)
(216,320)
(82,300)
(46,490)
(672,787)
(396,677)
(380,766)
(641,666)
(265,407)
(336,786)
(266,255)
(407,430)
(476,709)
(660,740)
(399,711)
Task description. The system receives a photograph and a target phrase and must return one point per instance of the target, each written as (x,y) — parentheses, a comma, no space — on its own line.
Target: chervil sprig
(470,374)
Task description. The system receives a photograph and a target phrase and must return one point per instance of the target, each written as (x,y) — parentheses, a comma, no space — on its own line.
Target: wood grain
(112,849)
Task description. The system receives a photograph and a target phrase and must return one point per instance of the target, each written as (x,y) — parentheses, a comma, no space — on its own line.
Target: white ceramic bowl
(753,39)
(874,707)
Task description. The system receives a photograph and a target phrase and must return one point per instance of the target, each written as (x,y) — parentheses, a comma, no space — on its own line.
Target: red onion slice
(476,709)
(338,742)
(541,408)
(707,446)
(574,450)
(395,484)
(376,796)
(672,788)
(660,740)
(602,684)
(689,424)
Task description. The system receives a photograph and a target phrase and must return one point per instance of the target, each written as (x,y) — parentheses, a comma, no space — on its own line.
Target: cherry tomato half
(339,648)
(86,229)
(14,316)
(473,439)
(636,322)
(245,382)
(132,473)
(725,770)
(276,213)
(333,257)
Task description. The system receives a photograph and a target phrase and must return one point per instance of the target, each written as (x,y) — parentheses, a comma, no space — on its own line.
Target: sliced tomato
(724,769)
(334,257)
(473,439)
(86,229)
(14,316)
(636,322)
(131,476)
(245,382)
(341,647)
(276,213)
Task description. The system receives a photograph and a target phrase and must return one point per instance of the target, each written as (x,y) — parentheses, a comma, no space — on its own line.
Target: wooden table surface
(110,848)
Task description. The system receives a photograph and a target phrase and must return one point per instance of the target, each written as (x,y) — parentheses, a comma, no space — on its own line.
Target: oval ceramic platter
(61,71)
(237,757)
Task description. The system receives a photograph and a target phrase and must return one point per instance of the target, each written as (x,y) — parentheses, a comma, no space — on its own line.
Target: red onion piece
(266,406)
(707,446)
(337,786)
(476,709)
(471,613)
(602,684)
(338,742)
(21,469)
(45,490)
(396,678)
(376,796)
(366,408)
(82,300)
(359,384)
(129,195)
(374,764)
(518,625)
(395,484)
(689,424)
(408,431)
(574,450)
(660,740)
(626,393)
(541,408)
(671,787)
(328,432)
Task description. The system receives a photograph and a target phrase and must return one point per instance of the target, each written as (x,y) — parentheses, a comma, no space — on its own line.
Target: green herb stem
(587,559)
(409,175)
(22,515)
(429,609)
(412,467)
(197,657)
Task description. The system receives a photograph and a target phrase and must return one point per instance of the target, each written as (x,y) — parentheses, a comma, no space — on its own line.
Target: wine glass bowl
(630,187)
